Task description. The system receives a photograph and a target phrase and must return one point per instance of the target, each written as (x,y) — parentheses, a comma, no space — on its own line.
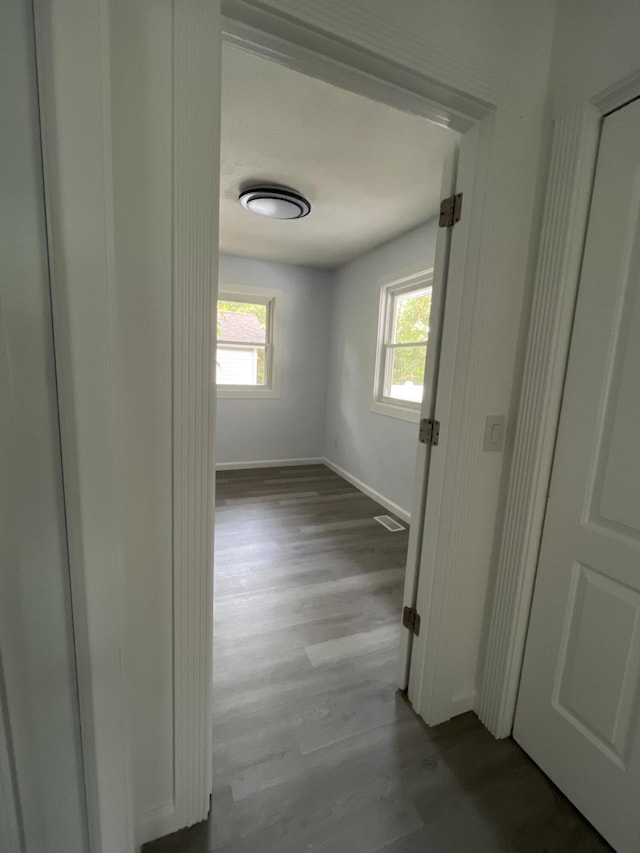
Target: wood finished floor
(314,749)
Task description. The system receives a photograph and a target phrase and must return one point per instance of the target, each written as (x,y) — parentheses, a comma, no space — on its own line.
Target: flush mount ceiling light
(275,202)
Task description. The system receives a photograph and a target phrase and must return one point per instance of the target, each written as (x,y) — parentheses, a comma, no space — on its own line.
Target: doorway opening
(327,330)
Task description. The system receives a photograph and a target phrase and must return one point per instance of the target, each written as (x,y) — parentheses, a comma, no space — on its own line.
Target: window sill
(391,410)
(235,393)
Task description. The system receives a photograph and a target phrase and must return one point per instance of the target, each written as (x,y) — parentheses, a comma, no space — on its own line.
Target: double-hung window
(403,338)
(245,353)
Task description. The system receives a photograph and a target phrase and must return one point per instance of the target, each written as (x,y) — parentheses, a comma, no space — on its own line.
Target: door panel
(577,713)
(427,410)
(431,690)
(616,497)
(598,607)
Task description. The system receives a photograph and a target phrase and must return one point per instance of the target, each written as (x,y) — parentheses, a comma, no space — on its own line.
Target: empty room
(324,316)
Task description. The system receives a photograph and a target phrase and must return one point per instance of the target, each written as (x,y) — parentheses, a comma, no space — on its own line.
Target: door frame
(72,57)
(576,136)
(74,83)
(300,49)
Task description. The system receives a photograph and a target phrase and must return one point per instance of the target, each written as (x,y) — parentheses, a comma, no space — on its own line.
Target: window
(403,336)
(245,358)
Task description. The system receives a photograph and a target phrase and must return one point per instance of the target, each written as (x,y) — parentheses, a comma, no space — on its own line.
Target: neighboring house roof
(234,326)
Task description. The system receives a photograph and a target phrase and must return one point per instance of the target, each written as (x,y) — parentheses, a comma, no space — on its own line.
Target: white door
(427,410)
(577,713)
(429,687)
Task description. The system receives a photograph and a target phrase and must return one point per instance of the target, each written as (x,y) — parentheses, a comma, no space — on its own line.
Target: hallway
(314,749)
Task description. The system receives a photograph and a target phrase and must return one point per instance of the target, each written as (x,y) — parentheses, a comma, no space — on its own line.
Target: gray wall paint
(330,323)
(377,449)
(291,426)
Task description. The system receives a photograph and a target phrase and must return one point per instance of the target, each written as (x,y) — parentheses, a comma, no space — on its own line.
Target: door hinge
(429,431)
(411,620)
(450,210)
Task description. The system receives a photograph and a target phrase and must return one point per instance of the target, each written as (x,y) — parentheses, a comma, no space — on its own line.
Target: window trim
(273,350)
(389,287)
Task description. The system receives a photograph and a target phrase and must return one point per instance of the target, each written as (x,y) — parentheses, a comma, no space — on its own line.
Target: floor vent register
(390,523)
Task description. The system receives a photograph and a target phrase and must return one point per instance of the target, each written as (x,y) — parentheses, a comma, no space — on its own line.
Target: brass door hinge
(411,620)
(450,210)
(429,431)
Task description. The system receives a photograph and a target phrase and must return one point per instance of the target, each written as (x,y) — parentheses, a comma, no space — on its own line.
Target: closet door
(578,705)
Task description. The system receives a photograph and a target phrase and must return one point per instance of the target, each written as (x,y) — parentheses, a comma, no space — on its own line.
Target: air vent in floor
(388,522)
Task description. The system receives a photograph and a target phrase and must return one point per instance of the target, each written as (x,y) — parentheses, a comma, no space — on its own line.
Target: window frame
(259,296)
(389,289)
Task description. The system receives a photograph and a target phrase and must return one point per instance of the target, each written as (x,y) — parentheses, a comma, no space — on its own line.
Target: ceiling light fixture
(274,202)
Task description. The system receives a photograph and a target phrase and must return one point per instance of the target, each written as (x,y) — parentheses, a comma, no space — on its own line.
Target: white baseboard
(372,493)
(156,823)
(267,463)
(463,703)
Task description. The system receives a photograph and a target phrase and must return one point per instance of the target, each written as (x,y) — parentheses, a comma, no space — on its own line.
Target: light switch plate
(494,433)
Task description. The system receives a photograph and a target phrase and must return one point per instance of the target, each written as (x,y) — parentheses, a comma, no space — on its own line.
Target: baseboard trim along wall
(285,463)
(404,514)
(462,704)
(267,463)
(156,823)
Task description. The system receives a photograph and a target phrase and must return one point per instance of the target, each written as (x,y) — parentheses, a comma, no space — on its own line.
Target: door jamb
(72,56)
(576,135)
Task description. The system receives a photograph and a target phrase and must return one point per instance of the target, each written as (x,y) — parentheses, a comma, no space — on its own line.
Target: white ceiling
(370,172)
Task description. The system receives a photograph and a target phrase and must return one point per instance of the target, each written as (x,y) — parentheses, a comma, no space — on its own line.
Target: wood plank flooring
(314,748)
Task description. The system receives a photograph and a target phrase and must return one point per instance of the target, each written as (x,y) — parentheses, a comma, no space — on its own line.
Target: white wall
(41,786)
(290,426)
(595,45)
(329,331)
(378,450)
